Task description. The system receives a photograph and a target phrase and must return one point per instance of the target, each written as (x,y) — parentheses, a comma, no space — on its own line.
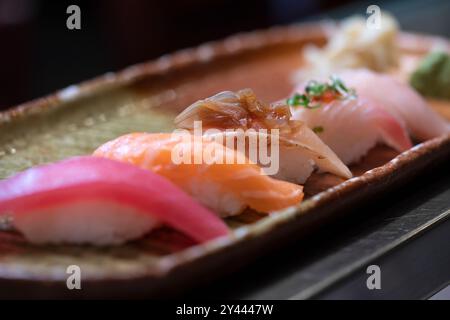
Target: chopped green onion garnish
(315,92)
(298,100)
(318,129)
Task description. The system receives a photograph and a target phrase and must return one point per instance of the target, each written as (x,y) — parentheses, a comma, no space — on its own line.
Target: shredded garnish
(317,93)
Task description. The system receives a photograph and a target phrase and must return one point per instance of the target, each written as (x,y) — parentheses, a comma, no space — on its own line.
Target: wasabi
(432,77)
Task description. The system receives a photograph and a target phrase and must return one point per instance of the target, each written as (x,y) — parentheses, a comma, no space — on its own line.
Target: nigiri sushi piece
(300,149)
(351,125)
(91,200)
(225,186)
(399,99)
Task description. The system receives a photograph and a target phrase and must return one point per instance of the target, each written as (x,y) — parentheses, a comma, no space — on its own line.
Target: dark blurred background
(39,54)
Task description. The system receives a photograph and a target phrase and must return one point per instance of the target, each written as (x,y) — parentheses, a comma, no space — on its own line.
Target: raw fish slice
(300,148)
(352,127)
(226,188)
(400,100)
(100,201)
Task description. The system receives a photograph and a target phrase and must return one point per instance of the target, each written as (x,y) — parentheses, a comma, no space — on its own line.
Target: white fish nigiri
(348,124)
(400,100)
(300,149)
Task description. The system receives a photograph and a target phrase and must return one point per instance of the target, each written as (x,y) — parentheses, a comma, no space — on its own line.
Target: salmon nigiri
(400,100)
(89,200)
(351,125)
(226,187)
(300,149)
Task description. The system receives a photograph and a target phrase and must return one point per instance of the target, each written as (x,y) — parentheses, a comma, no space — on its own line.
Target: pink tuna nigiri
(349,124)
(100,201)
(400,100)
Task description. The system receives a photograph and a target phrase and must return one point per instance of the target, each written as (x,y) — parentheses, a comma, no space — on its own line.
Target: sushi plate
(147,97)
